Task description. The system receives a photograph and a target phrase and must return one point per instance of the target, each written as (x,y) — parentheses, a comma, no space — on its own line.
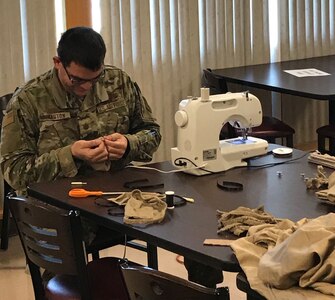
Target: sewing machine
(200,119)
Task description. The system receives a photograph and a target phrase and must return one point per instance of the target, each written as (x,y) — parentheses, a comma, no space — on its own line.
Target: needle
(82,193)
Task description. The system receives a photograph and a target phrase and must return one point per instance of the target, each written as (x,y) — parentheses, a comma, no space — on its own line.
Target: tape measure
(282,152)
(229,186)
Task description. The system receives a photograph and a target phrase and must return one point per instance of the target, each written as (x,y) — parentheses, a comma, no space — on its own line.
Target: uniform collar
(62,98)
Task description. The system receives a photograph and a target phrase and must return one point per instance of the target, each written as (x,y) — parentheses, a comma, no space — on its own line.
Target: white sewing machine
(199,122)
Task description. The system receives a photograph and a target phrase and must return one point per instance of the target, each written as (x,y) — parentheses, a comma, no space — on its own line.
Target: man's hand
(93,151)
(116,145)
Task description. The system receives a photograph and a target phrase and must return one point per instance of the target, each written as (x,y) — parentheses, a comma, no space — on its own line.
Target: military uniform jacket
(43,120)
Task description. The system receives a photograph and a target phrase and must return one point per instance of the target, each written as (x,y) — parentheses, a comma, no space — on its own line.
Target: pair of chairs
(270,129)
(51,239)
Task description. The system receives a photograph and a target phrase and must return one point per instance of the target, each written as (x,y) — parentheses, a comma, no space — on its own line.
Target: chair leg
(152,256)
(289,141)
(321,144)
(95,255)
(5,225)
(331,146)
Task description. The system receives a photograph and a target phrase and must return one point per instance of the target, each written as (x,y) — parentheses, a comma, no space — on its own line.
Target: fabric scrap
(238,221)
(141,207)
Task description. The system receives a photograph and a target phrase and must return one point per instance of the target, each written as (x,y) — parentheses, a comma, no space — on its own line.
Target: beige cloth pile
(322,159)
(320,181)
(301,264)
(238,221)
(324,184)
(141,207)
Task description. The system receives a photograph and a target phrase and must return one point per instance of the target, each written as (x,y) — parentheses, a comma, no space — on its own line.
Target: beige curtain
(11,54)
(28,41)
(165,44)
(306,30)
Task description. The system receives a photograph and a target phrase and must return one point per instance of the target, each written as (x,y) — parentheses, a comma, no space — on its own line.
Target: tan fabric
(319,181)
(142,207)
(104,166)
(301,244)
(306,258)
(239,220)
(268,235)
(322,159)
(328,194)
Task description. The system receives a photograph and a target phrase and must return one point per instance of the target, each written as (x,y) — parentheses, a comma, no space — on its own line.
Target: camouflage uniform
(43,120)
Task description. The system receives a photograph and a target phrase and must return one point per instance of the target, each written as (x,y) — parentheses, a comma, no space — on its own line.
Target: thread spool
(169,197)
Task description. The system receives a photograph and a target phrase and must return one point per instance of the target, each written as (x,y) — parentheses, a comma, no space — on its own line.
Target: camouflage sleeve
(144,133)
(21,164)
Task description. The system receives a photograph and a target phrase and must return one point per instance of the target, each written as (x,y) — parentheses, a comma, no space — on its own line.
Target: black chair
(243,285)
(270,129)
(52,240)
(6,229)
(326,139)
(149,284)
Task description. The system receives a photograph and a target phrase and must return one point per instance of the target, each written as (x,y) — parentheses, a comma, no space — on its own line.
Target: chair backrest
(149,284)
(216,84)
(51,239)
(3,104)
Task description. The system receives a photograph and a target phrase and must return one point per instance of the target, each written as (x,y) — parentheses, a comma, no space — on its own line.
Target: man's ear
(57,62)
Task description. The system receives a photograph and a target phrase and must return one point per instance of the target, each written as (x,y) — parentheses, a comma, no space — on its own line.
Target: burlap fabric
(238,221)
(142,207)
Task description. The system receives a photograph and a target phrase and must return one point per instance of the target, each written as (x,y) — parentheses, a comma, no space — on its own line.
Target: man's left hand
(116,145)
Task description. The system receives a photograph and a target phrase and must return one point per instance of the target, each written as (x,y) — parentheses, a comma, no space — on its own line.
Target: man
(79,116)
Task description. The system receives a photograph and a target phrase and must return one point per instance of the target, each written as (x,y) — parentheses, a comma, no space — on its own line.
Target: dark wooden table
(185,228)
(272,77)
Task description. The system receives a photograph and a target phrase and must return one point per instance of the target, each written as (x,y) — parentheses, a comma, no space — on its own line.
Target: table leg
(152,256)
(331,109)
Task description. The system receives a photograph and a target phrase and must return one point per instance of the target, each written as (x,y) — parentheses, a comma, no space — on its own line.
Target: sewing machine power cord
(179,160)
(247,166)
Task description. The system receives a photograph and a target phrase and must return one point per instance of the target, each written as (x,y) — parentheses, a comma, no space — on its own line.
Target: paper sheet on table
(307,72)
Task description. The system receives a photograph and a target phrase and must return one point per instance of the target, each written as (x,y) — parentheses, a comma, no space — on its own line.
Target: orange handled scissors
(82,193)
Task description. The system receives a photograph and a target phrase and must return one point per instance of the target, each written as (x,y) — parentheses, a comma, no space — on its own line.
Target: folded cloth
(322,159)
(142,207)
(239,220)
(249,254)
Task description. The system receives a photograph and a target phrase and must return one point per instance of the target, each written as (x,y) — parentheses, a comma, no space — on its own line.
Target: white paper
(306,72)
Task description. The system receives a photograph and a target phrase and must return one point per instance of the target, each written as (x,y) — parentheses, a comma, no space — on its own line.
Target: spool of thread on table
(169,198)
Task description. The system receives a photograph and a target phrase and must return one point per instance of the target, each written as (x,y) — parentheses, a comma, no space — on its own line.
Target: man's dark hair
(82,45)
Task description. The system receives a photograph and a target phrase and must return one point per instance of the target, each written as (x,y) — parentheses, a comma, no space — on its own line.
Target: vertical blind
(28,41)
(306,30)
(165,44)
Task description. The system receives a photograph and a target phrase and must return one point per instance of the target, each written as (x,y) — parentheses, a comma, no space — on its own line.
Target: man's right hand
(93,151)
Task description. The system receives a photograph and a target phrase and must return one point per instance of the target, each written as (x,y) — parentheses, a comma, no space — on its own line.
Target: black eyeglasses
(79,81)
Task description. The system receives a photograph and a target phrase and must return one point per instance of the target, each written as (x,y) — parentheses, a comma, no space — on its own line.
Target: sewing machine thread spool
(169,197)
(204,94)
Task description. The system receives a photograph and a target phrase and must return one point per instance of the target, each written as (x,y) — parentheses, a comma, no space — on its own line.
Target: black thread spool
(169,198)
